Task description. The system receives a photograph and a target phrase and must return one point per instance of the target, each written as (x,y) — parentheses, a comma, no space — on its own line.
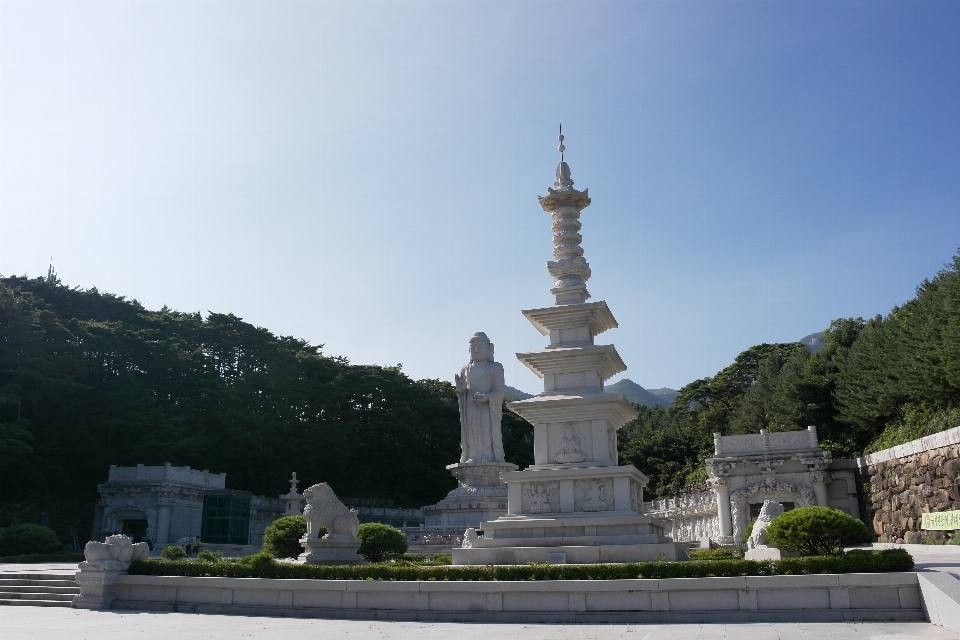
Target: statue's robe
(480,437)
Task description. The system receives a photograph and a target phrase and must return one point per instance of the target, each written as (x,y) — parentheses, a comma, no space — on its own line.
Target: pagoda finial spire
(564,203)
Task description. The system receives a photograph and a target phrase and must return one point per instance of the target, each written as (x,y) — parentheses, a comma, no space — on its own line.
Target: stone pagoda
(575,504)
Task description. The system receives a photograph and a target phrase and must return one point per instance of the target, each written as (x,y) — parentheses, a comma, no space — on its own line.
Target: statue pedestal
(337,552)
(480,496)
(762,553)
(97,586)
(562,510)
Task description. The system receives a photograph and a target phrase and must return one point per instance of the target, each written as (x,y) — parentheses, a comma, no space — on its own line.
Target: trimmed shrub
(210,556)
(173,552)
(817,531)
(427,560)
(746,534)
(282,538)
(716,554)
(380,542)
(263,566)
(23,539)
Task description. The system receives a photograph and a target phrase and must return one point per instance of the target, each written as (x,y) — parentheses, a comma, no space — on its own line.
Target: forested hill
(870,384)
(89,379)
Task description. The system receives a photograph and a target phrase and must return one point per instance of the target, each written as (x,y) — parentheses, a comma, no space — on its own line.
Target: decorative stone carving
(340,544)
(325,510)
(480,395)
(758,537)
(540,497)
(589,495)
(104,562)
(569,446)
(293,500)
(766,489)
(693,516)
(819,476)
(758,546)
(115,554)
(636,497)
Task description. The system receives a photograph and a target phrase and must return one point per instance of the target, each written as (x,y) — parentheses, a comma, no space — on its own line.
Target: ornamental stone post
(104,562)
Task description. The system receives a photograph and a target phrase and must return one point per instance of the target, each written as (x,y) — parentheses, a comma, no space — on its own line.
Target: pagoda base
(480,496)
(575,538)
(603,553)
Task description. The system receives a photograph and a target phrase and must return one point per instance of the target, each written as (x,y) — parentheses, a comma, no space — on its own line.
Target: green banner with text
(941,521)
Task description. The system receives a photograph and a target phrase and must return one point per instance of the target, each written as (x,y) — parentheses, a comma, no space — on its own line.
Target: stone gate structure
(787,467)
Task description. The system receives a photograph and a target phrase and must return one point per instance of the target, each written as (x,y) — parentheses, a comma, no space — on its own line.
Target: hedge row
(264,567)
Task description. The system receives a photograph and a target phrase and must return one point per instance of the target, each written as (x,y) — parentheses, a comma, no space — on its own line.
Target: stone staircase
(38,589)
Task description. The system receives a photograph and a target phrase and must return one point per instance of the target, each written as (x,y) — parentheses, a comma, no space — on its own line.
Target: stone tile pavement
(28,623)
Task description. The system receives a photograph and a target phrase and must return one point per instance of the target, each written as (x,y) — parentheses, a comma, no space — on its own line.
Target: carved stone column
(163,520)
(819,481)
(721,486)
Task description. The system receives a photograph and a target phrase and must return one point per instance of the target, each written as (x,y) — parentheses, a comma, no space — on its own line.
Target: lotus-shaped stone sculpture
(115,554)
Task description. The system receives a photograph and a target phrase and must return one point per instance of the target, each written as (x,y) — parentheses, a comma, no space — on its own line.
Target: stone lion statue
(325,510)
(758,537)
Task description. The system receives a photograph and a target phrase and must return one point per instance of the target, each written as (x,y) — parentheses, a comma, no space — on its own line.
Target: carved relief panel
(593,494)
(570,442)
(540,497)
(636,497)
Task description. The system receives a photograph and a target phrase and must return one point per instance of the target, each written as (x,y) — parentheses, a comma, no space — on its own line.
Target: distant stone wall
(905,481)
(690,516)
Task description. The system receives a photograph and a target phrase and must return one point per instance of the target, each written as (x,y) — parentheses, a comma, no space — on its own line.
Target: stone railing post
(98,573)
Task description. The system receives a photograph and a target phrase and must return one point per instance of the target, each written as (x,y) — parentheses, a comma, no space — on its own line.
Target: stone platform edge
(940,593)
(824,598)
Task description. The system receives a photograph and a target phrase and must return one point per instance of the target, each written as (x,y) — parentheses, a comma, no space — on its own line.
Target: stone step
(54,584)
(16,602)
(17,595)
(32,588)
(45,577)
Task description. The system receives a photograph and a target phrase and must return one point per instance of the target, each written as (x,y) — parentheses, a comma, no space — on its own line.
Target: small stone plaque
(556,558)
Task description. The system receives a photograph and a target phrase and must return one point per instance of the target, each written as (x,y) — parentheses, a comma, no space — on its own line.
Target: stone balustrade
(809,598)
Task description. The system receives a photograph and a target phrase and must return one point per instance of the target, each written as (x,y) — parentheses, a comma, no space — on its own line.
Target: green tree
(24,539)
(282,538)
(817,531)
(380,542)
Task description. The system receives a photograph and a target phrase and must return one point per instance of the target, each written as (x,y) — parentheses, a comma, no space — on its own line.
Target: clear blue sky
(364,174)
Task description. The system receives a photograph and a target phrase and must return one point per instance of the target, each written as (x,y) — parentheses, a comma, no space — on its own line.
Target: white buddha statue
(480,393)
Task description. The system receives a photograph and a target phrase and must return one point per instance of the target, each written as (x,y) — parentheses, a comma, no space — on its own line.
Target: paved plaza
(32,623)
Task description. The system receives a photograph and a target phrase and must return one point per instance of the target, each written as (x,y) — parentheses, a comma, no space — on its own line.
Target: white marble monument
(480,495)
(575,504)
(758,546)
(340,544)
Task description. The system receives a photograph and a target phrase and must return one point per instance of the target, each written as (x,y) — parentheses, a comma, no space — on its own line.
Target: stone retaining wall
(905,481)
(809,598)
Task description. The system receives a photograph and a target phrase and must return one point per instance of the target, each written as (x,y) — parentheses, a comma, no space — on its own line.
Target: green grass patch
(262,566)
